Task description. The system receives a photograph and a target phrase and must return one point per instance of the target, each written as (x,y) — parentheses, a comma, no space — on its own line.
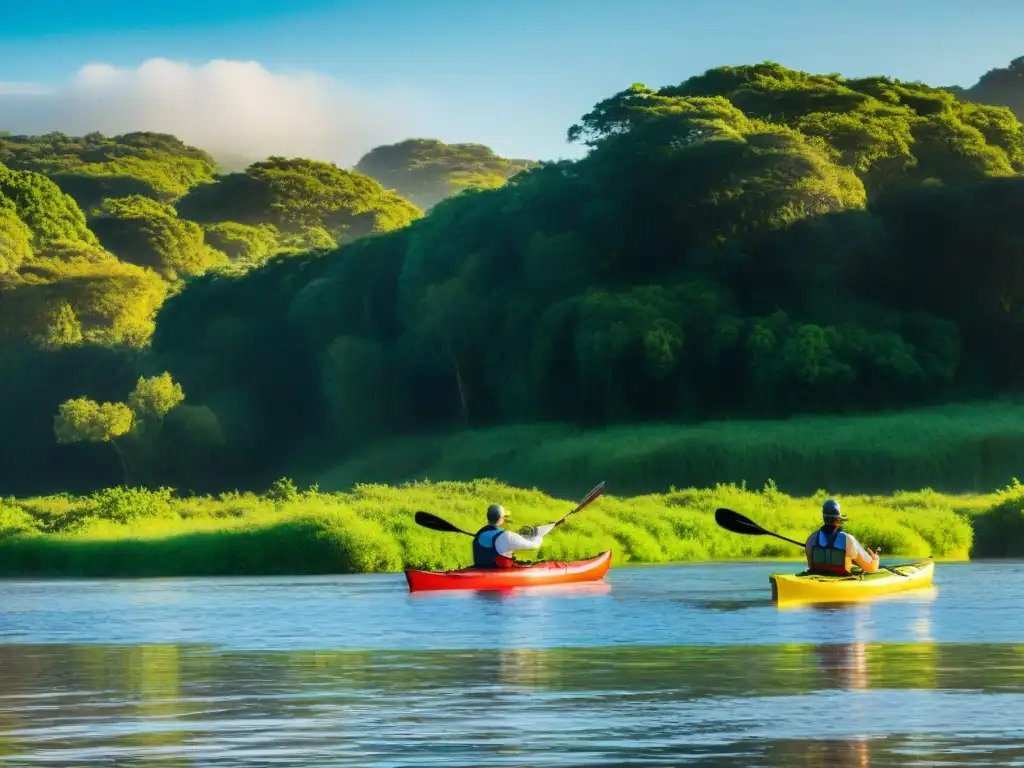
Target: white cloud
(225,107)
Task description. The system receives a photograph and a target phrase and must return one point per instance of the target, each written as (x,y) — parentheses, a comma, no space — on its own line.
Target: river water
(672,665)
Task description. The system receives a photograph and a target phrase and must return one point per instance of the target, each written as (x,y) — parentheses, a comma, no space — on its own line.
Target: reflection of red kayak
(541,574)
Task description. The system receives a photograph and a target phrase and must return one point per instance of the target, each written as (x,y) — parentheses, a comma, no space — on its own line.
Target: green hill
(426,171)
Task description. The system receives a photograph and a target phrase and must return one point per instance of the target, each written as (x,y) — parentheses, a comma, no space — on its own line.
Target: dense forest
(754,241)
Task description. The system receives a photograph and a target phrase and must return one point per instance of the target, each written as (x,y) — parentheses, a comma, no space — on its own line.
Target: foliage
(152,399)
(133,532)
(142,231)
(118,505)
(85,419)
(426,171)
(48,213)
(93,167)
(15,238)
(155,396)
(14,520)
(109,301)
(124,187)
(62,326)
(283,490)
(296,195)
(242,242)
(1000,529)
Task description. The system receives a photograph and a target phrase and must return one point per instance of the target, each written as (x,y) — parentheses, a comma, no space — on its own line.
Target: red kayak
(540,574)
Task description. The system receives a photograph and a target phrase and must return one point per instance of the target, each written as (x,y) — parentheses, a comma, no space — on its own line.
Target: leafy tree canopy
(47,212)
(93,167)
(888,132)
(141,231)
(297,195)
(426,171)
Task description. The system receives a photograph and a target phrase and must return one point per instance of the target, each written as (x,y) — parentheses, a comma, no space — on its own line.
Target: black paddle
(596,491)
(435,523)
(737,523)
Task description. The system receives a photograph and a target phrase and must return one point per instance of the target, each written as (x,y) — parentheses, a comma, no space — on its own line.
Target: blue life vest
(484,553)
(828,552)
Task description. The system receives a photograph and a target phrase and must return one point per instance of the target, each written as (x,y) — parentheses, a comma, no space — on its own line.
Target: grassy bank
(123,532)
(954,449)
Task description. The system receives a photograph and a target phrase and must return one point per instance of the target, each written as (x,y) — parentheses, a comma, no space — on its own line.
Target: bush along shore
(126,532)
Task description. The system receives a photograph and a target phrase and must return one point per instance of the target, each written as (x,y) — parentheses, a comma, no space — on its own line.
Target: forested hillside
(426,171)
(753,241)
(98,231)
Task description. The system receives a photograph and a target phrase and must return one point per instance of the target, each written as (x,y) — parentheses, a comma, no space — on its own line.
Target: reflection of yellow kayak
(804,587)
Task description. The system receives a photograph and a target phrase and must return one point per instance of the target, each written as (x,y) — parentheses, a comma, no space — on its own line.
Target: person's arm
(866,559)
(807,548)
(509,541)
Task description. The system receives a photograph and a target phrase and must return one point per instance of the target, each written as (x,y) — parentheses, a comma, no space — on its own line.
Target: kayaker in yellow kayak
(831,550)
(493,546)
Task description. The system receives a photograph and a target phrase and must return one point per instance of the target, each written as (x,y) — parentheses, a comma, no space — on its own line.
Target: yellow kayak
(813,588)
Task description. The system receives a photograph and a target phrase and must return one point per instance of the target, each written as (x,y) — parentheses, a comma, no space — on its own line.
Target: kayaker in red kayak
(831,550)
(493,546)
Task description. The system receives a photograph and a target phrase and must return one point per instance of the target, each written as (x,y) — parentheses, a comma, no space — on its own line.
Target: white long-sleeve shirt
(510,541)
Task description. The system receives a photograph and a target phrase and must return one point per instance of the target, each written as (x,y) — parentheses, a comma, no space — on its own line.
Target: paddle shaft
(594,493)
(791,541)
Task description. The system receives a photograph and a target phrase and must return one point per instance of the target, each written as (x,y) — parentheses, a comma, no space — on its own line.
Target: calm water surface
(658,666)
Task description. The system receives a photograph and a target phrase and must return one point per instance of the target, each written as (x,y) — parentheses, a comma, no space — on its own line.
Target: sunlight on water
(666,666)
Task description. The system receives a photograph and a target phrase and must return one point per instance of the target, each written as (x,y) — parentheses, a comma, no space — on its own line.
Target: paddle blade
(737,523)
(435,523)
(594,493)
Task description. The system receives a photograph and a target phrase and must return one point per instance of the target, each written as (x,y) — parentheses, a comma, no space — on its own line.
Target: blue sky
(515,75)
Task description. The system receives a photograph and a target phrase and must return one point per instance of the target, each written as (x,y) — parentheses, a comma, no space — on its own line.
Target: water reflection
(849,704)
(917,597)
(582,589)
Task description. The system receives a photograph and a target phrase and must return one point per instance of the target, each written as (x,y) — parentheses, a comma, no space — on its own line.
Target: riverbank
(134,533)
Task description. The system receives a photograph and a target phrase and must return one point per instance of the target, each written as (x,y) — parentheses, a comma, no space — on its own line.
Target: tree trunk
(462,391)
(124,466)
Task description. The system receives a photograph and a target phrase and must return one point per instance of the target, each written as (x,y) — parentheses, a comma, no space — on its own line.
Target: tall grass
(953,449)
(131,532)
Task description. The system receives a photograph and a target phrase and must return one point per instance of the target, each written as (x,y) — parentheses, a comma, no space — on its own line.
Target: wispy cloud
(225,107)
